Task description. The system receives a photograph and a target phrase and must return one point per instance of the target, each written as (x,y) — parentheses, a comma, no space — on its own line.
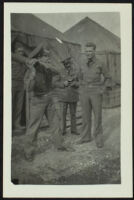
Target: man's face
(45,58)
(90,52)
(68,64)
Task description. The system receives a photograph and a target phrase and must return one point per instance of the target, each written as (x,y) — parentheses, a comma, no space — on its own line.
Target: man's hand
(66,83)
(31,62)
(74,84)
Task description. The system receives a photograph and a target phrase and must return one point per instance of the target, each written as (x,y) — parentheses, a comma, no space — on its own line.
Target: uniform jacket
(94,76)
(42,81)
(66,94)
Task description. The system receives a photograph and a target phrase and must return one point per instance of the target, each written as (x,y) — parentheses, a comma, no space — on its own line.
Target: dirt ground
(82,164)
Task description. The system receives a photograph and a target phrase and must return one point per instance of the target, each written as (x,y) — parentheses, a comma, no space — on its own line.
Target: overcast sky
(63,21)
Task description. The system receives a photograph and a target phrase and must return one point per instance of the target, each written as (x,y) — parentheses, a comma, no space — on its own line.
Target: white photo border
(76,191)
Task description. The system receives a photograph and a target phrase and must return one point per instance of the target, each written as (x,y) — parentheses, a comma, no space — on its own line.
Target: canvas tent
(88,30)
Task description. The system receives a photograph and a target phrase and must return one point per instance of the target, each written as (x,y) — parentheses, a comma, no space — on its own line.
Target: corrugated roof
(88,30)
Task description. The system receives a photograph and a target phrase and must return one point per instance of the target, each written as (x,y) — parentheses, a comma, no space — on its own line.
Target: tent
(88,30)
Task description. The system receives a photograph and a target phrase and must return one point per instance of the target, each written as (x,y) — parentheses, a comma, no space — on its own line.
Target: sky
(64,21)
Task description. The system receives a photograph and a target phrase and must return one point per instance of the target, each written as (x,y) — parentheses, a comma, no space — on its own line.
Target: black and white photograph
(66,102)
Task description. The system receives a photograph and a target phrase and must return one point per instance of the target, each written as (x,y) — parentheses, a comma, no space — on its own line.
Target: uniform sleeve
(56,82)
(36,50)
(19,58)
(106,74)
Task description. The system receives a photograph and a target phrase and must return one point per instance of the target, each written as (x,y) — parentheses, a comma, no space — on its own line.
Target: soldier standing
(41,100)
(66,89)
(91,90)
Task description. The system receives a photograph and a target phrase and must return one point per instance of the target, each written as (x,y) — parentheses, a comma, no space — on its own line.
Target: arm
(35,51)
(46,65)
(19,58)
(107,77)
(27,60)
(24,60)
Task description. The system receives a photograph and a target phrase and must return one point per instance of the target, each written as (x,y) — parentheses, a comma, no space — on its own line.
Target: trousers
(38,107)
(72,106)
(17,103)
(91,102)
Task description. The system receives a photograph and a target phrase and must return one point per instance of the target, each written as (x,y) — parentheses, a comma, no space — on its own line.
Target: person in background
(67,84)
(91,90)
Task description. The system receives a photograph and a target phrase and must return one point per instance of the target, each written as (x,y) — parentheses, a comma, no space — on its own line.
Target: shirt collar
(91,61)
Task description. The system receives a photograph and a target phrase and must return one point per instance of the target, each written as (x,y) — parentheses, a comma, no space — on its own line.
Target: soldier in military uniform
(41,100)
(19,68)
(91,90)
(66,89)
